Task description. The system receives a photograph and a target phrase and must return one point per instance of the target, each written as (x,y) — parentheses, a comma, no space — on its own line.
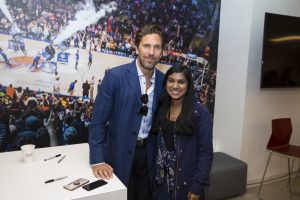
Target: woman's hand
(192,196)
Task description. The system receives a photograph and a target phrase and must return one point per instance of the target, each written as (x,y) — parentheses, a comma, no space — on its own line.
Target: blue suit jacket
(115,123)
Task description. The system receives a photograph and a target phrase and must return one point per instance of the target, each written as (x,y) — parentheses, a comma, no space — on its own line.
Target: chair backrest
(281,133)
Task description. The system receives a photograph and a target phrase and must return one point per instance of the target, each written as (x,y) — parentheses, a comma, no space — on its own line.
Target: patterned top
(166,158)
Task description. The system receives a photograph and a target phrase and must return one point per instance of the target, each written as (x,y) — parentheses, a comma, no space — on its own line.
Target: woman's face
(177,85)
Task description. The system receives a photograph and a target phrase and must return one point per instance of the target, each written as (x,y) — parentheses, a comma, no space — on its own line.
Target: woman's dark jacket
(194,156)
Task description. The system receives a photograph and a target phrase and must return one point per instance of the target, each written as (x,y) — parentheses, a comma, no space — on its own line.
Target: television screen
(281,52)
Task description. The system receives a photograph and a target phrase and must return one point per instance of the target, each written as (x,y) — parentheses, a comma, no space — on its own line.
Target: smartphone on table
(94,185)
(76,184)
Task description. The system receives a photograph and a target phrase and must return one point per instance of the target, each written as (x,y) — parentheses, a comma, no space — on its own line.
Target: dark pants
(85,93)
(162,193)
(139,182)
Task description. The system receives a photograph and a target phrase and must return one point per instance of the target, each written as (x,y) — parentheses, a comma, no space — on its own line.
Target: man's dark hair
(147,30)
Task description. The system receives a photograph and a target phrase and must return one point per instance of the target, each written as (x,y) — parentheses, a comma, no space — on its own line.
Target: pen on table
(61,159)
(52,157)
(55,179)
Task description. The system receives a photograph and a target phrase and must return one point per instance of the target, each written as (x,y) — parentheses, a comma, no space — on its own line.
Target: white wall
(243,112)
(232,74)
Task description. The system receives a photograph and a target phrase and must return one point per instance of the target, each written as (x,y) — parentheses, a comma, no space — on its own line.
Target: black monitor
(281,52)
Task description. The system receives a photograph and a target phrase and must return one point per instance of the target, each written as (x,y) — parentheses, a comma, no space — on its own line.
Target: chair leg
(260,186)
(293,162)
(289,167)
(298,170)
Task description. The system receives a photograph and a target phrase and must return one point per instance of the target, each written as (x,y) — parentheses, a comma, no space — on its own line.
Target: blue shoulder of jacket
(159,72)
(122,68)
(200,109)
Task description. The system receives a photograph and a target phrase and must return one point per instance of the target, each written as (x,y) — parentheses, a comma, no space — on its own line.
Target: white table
(19,180)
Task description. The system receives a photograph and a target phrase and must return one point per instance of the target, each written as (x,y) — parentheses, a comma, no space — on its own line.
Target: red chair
(280,143)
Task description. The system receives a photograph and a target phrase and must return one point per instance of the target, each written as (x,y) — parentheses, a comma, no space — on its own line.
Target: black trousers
(139,187)
(162,193)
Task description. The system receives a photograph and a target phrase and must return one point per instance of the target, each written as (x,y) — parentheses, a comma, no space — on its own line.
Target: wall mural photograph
(54,54)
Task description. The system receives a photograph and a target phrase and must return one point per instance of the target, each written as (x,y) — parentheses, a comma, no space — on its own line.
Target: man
(36,60)
(90,59)
(119,140)
(76,59)
(56,84)
(51,51)
(22,46)
(72,88)
(5,57)
(10,91)
(85,89)
(92,85)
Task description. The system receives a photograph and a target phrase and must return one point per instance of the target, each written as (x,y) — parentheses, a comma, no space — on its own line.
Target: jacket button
(179,169)
(180,150)
(177,187)
(184,183)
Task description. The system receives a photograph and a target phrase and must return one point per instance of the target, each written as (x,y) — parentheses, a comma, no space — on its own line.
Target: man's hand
(192,196)
(103,171)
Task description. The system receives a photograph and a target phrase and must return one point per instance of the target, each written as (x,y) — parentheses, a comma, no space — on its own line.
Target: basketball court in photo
(21,73)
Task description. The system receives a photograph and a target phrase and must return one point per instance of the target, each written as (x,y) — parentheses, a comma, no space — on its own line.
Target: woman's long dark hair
(185,123)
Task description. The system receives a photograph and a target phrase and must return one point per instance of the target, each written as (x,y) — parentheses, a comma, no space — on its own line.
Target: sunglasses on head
(144,108)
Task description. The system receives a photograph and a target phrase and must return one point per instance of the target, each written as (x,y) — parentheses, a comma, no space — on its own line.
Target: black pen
(56,179)
(52,157)
(61,159)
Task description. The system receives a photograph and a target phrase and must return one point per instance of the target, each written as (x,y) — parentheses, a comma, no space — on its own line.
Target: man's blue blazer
(116,120)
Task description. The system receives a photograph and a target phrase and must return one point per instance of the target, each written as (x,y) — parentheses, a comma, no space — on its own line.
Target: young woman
(184,146)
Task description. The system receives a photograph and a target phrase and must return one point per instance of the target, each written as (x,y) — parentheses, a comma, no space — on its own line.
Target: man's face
(149,51)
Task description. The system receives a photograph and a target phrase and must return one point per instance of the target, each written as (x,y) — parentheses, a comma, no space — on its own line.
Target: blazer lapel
(157,89)
(133,80)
